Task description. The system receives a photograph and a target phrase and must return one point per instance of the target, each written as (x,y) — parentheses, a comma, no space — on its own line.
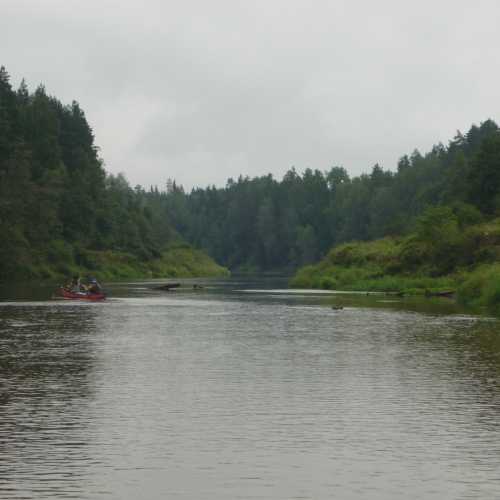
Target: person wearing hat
(94,286)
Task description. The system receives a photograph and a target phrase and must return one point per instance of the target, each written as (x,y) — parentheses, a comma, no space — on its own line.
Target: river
(243,390)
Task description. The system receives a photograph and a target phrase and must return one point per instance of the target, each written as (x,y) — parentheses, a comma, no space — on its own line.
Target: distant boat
(69,295)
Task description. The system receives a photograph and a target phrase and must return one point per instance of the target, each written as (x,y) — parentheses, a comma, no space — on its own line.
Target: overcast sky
(201,91)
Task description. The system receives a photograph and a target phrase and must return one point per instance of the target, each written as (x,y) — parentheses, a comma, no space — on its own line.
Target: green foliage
(437,242)
(269,224)
(466,214)
(484,176)
(416,264)
(59,211)
(59,251)
(183,261)
(381,251)
(481,287)
(179,261)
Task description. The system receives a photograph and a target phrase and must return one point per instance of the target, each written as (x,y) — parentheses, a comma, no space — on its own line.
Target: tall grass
(369,266)
(481,287)
(176,261)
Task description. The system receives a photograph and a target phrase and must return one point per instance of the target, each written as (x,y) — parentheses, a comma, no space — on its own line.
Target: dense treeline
(56,201)
(266,224)
(58,205)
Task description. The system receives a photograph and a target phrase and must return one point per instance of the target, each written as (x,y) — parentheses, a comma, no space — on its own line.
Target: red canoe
(69,295)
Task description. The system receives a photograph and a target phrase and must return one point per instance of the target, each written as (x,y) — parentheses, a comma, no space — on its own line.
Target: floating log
(168,286)
(444,293)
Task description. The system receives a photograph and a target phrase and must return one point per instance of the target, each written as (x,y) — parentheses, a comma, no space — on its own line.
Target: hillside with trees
(265,224)
(61,213)
(431,227)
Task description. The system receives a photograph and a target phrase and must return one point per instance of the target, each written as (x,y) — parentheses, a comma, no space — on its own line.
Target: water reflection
(222,394)
(46,359)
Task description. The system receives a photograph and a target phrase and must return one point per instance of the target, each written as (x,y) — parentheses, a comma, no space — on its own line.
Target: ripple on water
(226,396)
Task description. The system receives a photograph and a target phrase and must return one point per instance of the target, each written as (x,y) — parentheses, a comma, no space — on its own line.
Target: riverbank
(467,266)
(176,261)
(366,267)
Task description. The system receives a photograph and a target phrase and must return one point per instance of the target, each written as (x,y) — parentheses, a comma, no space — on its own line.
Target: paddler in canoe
(77,290)
(94,286)
(75,285)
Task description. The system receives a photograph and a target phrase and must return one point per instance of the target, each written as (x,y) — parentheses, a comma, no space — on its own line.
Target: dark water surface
(224,393)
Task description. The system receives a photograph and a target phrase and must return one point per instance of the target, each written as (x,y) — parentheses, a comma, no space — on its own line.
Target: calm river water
(237,391)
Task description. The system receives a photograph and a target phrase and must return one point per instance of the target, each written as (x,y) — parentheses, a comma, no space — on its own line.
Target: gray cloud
(203,91)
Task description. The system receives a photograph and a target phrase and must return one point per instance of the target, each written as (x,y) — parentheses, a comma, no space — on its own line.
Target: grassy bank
(369,267)
(177,261)
(465,259)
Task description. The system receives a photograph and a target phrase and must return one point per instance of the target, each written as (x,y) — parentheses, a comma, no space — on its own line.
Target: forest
(265,224)
(60,211)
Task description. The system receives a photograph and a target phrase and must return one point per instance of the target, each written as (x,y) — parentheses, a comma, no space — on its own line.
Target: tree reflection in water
(46,361)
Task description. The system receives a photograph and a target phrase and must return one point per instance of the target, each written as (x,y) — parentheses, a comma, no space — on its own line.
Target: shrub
(328,283)
(482,287)
(59,251)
